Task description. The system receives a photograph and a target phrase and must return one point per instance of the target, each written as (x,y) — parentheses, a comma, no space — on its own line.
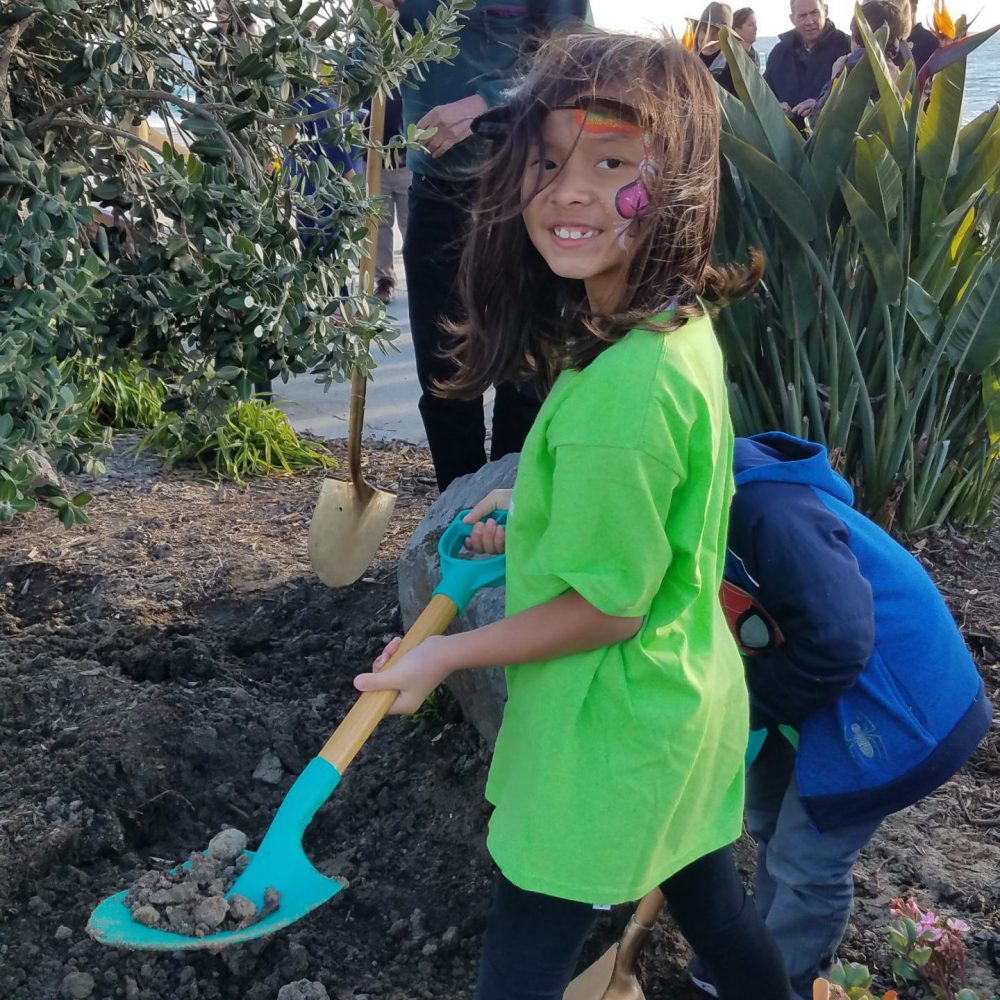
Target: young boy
(850,650)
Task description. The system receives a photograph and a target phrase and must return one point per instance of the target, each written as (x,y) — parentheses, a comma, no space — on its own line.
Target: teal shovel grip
(462,575)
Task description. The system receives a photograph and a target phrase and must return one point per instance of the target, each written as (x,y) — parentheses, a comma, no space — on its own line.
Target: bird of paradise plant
(877,328)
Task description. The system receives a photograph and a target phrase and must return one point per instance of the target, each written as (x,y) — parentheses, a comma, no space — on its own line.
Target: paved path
(391,406)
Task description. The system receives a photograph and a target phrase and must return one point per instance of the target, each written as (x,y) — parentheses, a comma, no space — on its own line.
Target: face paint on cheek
(632,201)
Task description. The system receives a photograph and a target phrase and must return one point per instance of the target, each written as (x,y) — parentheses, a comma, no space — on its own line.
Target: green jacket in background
(490,41)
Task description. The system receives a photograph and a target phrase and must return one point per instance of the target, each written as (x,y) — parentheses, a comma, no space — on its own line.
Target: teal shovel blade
(279,863)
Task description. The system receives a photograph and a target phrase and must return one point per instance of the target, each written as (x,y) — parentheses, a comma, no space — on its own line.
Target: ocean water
(982,78)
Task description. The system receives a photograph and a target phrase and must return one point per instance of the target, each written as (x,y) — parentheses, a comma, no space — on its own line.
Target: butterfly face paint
(632,200)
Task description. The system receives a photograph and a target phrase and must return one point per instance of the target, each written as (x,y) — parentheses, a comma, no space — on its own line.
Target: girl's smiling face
(584,220)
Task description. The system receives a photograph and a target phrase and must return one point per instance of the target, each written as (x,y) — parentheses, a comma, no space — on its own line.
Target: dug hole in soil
(169,670)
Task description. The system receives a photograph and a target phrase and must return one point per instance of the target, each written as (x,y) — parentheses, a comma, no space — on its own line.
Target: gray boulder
(480,693)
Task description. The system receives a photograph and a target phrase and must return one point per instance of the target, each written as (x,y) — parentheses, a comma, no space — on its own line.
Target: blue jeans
(804,888)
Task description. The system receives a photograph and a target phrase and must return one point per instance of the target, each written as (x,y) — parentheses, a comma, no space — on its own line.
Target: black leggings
(533,941)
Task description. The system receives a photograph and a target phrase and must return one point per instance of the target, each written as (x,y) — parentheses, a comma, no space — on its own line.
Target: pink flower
(957,926)
(908,908)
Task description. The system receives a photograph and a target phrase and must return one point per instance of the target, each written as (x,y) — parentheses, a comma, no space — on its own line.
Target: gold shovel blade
(346,529)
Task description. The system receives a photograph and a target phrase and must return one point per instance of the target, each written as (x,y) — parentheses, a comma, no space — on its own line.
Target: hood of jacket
(776,457)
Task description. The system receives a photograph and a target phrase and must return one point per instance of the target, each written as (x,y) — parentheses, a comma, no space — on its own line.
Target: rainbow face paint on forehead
(593,121)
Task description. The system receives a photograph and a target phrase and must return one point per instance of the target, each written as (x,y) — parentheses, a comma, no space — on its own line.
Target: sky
(772,15)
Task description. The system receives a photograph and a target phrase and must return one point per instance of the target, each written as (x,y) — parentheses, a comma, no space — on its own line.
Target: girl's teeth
(574,234)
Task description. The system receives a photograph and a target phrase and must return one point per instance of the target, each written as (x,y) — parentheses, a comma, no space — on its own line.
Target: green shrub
(253,438)
(117,247)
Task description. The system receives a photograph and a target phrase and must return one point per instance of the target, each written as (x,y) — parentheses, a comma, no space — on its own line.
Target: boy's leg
(813,888)
(767,782)
(722,925)
(532,944)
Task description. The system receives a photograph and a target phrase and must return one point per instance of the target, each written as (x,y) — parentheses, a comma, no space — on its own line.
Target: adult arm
(453,121)
(810,583)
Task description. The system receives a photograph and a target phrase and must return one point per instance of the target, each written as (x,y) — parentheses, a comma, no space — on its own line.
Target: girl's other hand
(494,500)
(488,537)
(414,675)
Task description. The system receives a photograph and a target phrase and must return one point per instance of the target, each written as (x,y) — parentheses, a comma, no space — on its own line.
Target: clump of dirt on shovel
(191,899)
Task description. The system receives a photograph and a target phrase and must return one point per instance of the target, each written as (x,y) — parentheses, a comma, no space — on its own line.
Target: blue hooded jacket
(845,638)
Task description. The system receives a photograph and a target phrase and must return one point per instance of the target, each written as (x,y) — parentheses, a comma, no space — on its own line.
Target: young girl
(619,765)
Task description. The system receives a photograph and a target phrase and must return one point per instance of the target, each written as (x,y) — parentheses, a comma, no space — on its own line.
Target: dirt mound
(170,670)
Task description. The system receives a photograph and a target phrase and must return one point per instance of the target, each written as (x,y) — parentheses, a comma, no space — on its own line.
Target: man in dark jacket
(923,43)
(864,697)
(801,63)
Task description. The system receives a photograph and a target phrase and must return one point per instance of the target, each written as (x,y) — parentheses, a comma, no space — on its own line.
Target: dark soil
(168,671)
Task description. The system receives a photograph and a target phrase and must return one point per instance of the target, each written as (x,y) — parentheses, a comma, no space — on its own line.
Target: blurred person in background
(923,43)
(396,178)
(745,25)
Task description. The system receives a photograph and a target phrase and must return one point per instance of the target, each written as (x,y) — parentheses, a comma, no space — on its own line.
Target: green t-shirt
(617,767)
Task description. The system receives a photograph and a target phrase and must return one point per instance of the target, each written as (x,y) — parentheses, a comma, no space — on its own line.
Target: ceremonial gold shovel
(612,976)
(350,518)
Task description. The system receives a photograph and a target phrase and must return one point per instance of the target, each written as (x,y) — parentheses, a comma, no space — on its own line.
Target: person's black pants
(533,941)
(432,249)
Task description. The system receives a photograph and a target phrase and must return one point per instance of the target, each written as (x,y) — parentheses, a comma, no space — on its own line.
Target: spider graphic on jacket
(863,739)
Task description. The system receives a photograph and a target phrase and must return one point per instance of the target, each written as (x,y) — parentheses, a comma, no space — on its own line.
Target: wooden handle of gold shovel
(370,708)
(373,183)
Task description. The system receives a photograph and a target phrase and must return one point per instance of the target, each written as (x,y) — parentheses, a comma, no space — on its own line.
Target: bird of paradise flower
(688,38)
(955,43)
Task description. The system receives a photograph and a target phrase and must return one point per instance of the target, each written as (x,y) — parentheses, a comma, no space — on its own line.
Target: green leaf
(938,125)
(972,330)
(882,256)
(209,149)
(921,956)
(877,176)
(108,190)
(74,189)
(904,970)
(787,199)
(924,311)
(197,125)
(81,499)
(889,107)
(241,121)
(784,140)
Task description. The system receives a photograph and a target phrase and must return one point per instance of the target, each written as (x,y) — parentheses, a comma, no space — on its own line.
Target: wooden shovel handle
(649,908)
(373,182)
(370,708)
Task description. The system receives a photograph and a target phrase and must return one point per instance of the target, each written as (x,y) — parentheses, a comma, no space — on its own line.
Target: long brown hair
(521,319)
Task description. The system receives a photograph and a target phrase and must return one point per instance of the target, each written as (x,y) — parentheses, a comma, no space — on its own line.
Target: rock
(37,906)
(211,912)
(45,474)
(147,915)
(63,933)
(480,693)
(77,986)
(269,770)
(228,845)
(183,892)
(303,989)
(241,908)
